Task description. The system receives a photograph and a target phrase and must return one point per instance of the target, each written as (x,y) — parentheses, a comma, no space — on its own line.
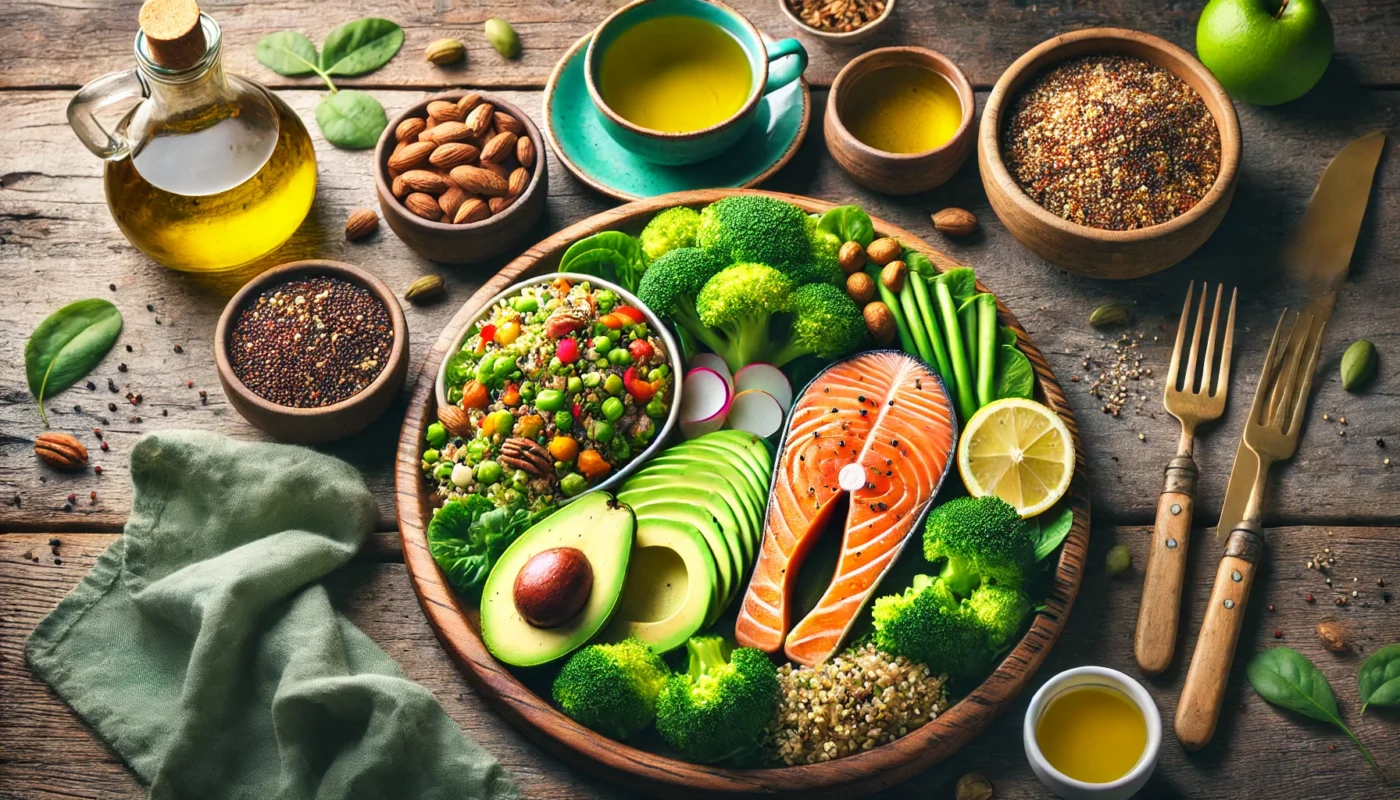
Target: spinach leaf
(67,346)
(961,283)
(1378,681)
(351,119)
(1053,527)
(1015,377)
(610,255)
(466,537)
(850,224)
(1286,678)
(361,46)
(920,263)
(288,53)
(1006,336)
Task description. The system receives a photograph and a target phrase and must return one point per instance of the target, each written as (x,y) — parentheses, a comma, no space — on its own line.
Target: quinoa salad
(559,387)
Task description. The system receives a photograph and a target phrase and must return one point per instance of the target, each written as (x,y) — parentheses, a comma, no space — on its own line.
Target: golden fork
(1271,433)
(1195,401)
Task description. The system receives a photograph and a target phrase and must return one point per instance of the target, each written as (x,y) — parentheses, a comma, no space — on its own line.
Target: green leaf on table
(361,46)
(1052,528)
(849,223)
(1378,681)
(288,53)
(67,346)
(1286,678)
(610,255)
(351,119)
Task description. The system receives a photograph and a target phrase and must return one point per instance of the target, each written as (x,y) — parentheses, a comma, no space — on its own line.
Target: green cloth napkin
(204,648)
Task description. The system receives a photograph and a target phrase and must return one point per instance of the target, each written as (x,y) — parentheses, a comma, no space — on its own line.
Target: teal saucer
(575,133)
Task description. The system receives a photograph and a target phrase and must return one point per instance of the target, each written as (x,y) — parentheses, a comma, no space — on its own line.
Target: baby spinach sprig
(1286,678)
(348,118)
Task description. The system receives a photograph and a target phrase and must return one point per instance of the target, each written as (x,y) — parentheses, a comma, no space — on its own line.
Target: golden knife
(1317,260)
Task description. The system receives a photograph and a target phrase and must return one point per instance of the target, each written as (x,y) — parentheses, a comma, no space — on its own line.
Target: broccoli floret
(672,282)
(929,625)
(824,266)
(739,302)
(718,708)
(826,323)
(980,539)
(754,228)
(612,688)
(1000,609)
(669,230)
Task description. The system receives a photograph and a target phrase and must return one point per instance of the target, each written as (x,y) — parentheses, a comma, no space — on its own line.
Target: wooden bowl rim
(877,768)
(671,136)
(846,37)
(289,271)
(387,139)
(1178,62)
(939,64)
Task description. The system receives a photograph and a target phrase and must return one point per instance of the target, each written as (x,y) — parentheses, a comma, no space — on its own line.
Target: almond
(426,135)
(479,119)
(499,169)
(955,222)
(60,451)
(480,181)
(499,204)
(879,322)
(518,180)
(399,188)
(446,110)
(362,223)
(453,154)
(411,155)
(422,180)
(409,129)
(499,148)
(525,152)
(455,420)
(451,200)
(883,251)
(505,122)
(473,210)
(452,132)
(468,101)
(424,205)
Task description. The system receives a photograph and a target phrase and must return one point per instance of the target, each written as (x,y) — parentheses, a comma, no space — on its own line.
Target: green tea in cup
(676,74)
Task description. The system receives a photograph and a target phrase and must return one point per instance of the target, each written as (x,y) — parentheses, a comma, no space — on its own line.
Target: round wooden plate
(457,627)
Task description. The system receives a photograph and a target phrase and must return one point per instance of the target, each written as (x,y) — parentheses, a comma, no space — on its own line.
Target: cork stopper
(173,32)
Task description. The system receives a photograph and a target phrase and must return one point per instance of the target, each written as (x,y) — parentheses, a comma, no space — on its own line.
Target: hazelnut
(879,322)
(1333,636)
(860,287)
(553,586)
(893,275)
(851,256)
(883,251)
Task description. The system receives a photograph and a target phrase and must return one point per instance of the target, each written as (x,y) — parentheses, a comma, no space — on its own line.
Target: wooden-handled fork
(1194,401)
(1271,432)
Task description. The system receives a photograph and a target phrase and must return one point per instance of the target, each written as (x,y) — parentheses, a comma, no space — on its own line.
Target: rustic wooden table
(58,243)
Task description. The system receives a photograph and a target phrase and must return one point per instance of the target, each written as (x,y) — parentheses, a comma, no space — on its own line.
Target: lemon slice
(1020,451)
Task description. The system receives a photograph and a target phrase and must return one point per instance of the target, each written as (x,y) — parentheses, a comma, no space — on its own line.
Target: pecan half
(527,454)
(60,451)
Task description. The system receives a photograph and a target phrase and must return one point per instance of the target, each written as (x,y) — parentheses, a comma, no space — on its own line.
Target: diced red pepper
(567,351)
(633,315)
(612,321)
(638,388)
(641,350)
(576,410)
(488,333)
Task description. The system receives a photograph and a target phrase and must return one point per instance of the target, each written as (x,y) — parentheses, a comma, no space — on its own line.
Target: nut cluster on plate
(463,163)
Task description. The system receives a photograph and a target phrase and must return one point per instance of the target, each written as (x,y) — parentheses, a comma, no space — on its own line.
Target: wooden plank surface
(64,45)
(58,244)
(46,752)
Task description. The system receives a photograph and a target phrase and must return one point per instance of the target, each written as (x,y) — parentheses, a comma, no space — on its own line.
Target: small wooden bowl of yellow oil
(1093,733)
(899,119)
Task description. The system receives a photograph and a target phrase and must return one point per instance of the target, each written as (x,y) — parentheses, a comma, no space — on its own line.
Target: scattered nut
(973,786)
(883,251)
(852,257)
(879,322)
(955,222)
(502,37)
(60,451)
(860,287)
(445,51)
(1118,560)
(1109,314)
(1333,636)
(425,290)
(361,224)
(893,275)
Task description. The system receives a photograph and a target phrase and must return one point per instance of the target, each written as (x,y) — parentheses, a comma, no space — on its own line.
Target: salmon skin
(889,414)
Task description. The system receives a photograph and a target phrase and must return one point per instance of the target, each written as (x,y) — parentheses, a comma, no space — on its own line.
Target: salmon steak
(878,427)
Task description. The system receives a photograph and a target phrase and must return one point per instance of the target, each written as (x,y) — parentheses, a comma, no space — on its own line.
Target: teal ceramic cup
(772,66)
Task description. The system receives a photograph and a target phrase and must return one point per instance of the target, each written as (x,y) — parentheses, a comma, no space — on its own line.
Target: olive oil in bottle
(208,172)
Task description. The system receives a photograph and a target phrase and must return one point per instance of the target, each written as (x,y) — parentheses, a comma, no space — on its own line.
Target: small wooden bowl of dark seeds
(312,351)
(1109,152)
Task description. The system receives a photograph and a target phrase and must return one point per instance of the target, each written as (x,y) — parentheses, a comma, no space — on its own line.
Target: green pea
(612,409)
(656,408)
(527,391)
(659,373)
(484,367)
(477,450)
(563,420)
(572,484)
(488,472)
(549,400)
(443,471)
(614,334)
(592,379)
(620,357)
(502,366)
(575,384)
(621,450)
(613,385)
(555,365)
(602,344)
(437,434)
(525,303)
(601,432)
(599,329)
(606,300)
(431,456)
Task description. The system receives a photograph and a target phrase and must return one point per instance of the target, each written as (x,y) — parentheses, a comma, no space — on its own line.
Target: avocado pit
(553,586)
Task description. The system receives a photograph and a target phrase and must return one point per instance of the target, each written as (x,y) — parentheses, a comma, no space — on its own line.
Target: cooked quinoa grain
(1112,142)
(858,700)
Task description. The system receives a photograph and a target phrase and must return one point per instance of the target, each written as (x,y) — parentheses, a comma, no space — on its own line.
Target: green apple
(1265,52)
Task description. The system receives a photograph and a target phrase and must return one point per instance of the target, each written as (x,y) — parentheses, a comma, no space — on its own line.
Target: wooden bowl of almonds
(461,176)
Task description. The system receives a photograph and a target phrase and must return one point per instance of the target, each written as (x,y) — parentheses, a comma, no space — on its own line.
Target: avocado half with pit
(557,585)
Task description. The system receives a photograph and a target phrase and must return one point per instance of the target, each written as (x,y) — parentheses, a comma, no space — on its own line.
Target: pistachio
(1359,365)
(425,289)
(445,51)
(973,786)
(1109,314)
(851,256)
(955,222)
(502,37)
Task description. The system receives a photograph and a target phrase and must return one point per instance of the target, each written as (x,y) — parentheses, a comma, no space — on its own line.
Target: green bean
(962,372)
(930,319)
(986,348)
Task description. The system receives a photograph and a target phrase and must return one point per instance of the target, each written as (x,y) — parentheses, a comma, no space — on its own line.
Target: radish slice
(705,399)
(756,412)
(714,362)
(767,378)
